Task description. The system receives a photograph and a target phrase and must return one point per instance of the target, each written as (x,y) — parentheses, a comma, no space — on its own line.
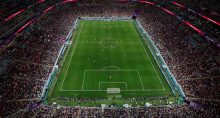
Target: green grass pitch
(106,55)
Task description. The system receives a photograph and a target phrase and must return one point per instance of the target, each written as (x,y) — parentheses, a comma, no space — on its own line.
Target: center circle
(109,43)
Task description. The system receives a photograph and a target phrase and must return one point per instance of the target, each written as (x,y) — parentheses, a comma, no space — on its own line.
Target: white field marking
(120,90)
(149,58)
(84,74)
(125,83)
(110,70)
(72,54)
(122,23)
(117,70)
(109,26)
(105,24)
(140,80)
(101,70)
(112,42)
(101,43)
(111,67)
(65,59)
(131,25)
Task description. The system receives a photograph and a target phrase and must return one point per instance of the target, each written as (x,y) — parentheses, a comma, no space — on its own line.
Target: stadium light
(205,17)
(175,3)
(196,29)
(27,24)
(150,3)
(48,9)
(13,15)
(168,11)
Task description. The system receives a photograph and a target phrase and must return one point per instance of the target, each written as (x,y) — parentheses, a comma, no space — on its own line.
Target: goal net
(113,90)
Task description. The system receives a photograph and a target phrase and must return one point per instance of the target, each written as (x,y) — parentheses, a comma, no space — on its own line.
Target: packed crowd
(27,62)
(92,112)
(189,57)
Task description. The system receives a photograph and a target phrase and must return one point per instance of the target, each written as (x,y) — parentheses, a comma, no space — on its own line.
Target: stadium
(109,58)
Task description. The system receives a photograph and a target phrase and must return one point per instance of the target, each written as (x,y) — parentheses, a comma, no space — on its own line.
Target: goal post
(113,90)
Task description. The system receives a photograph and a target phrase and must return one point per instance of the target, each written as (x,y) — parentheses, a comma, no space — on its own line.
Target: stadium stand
(26,62)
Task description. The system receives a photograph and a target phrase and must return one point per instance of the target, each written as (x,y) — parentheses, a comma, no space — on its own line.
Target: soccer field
(108,58)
